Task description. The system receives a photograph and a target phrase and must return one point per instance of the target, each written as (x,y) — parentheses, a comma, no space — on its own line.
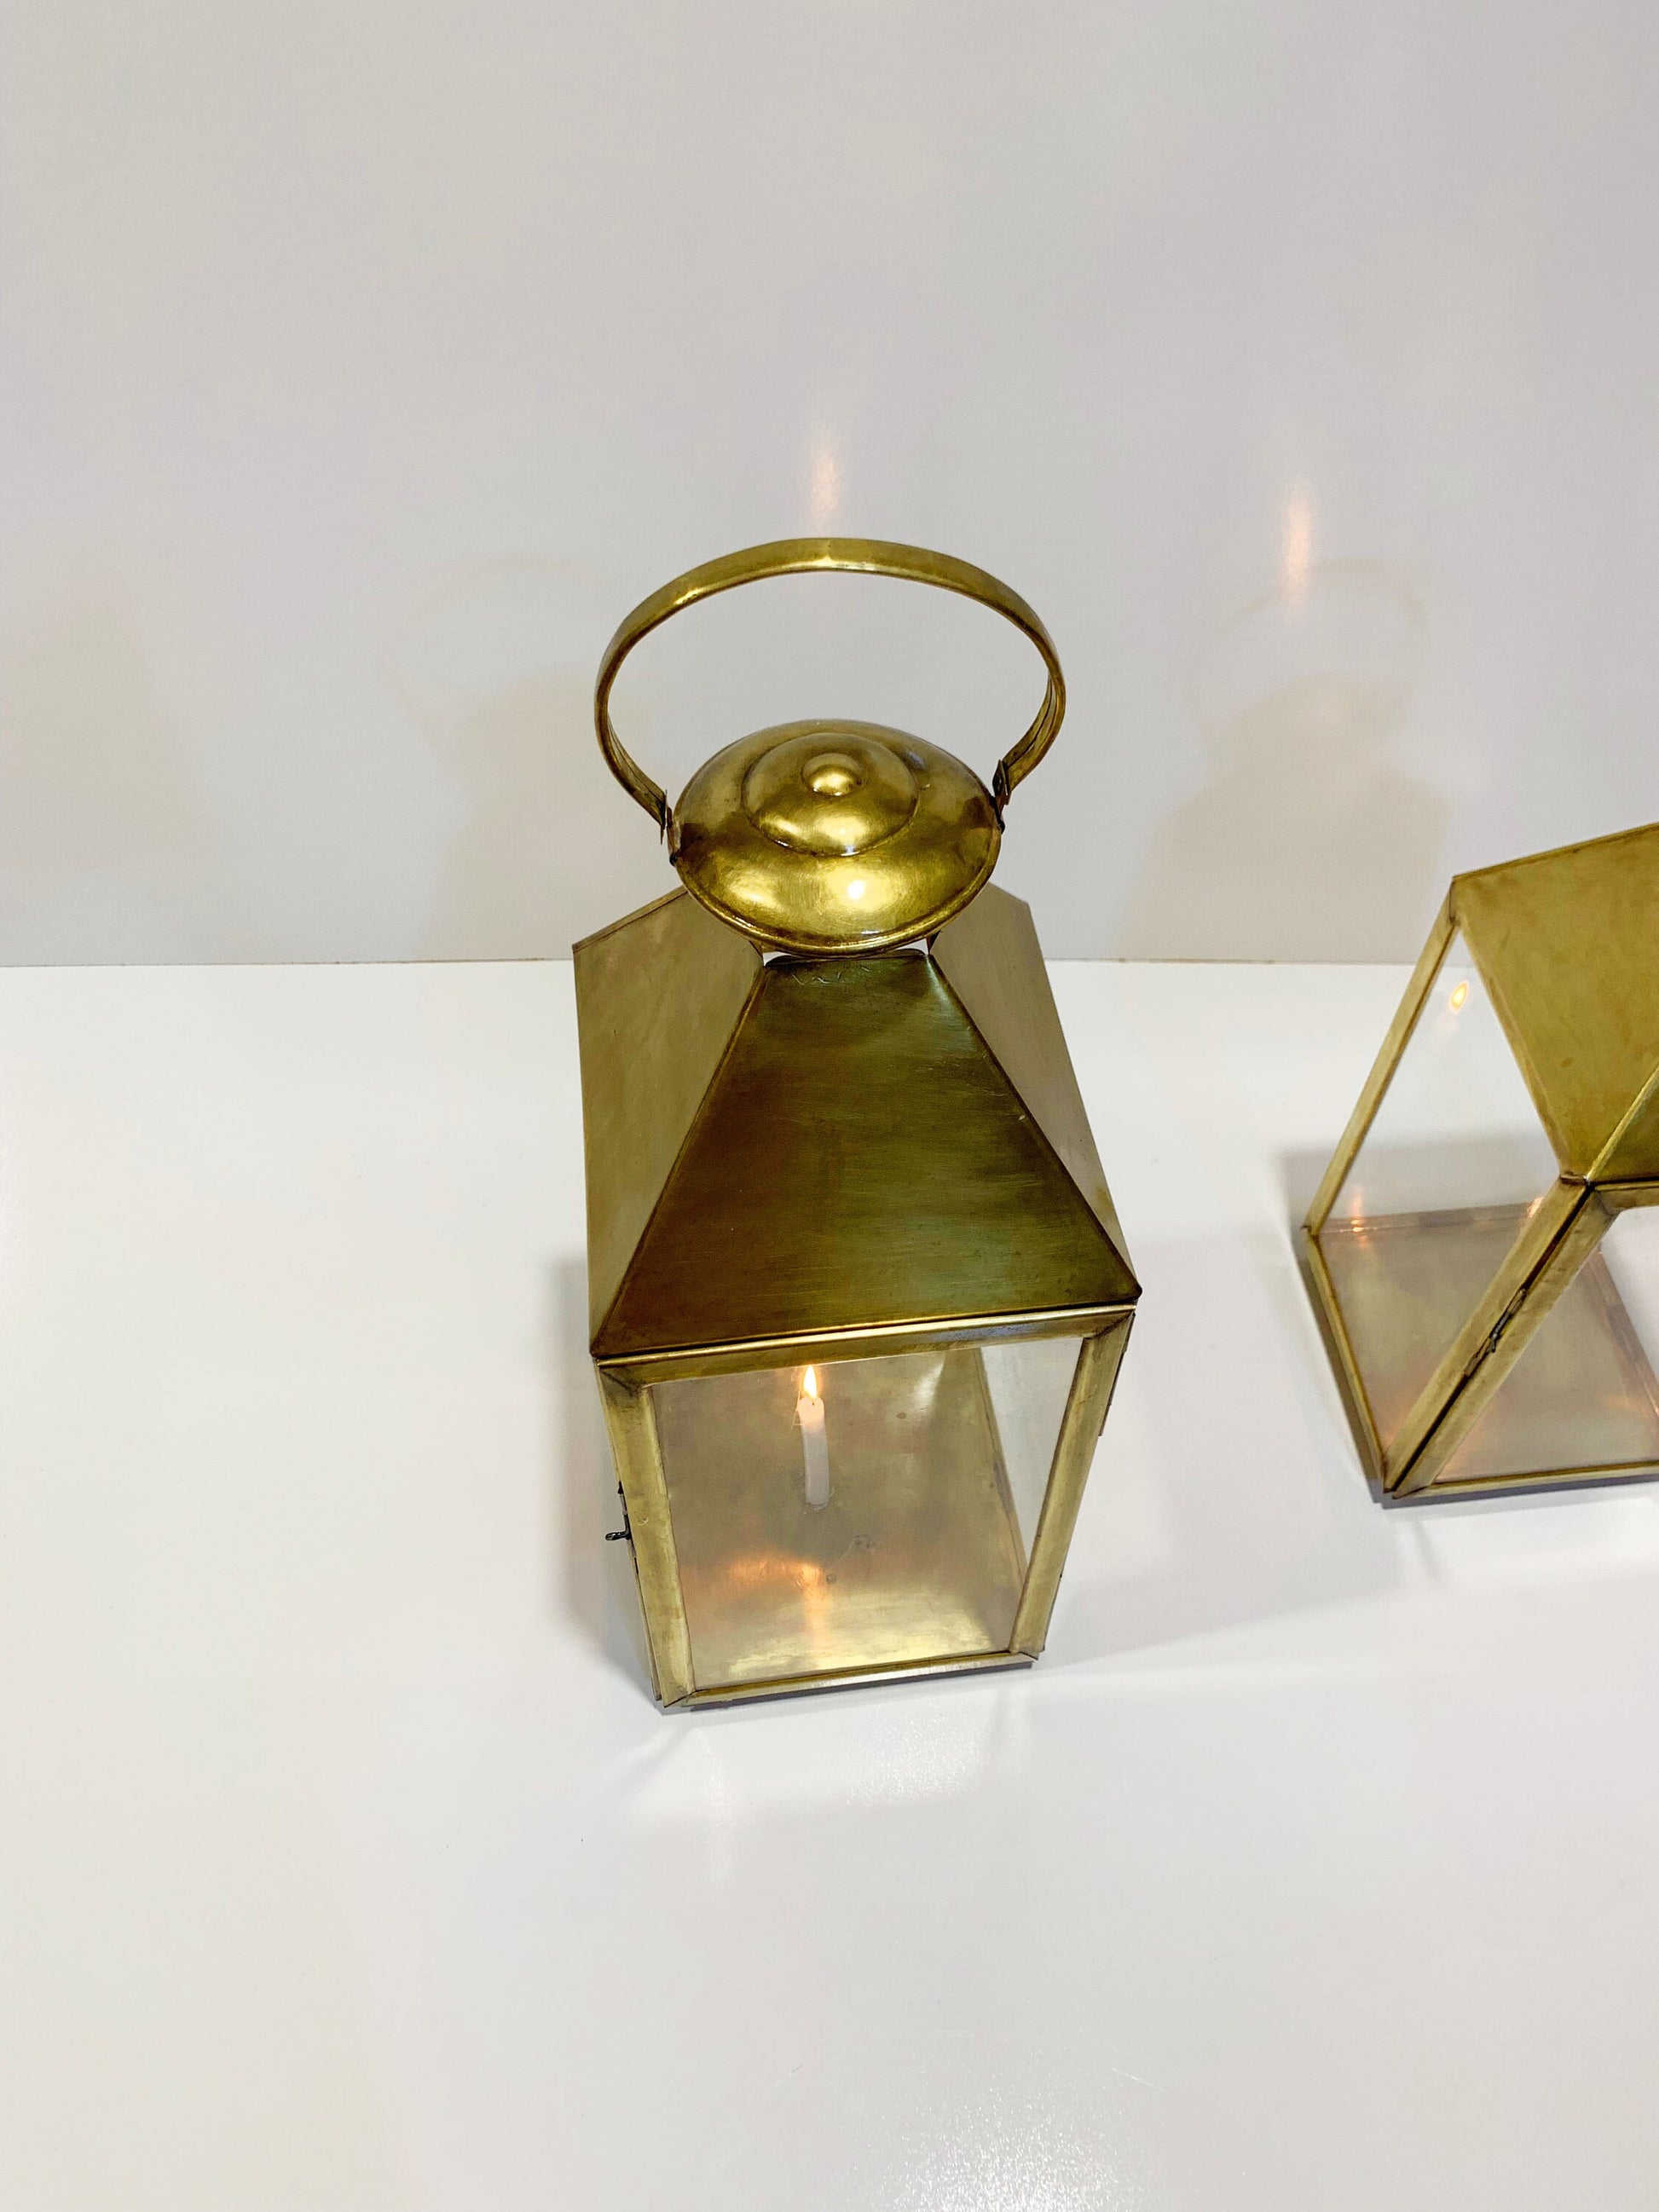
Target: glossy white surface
(364,361)
(345,1866)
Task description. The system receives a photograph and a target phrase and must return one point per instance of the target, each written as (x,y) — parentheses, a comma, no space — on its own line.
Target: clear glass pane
(1452,1165)
(1030,1383)
(1583,1397)
(865,1512)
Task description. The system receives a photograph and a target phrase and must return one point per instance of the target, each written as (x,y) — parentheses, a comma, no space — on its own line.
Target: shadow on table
(1227,1481)
(592,1581)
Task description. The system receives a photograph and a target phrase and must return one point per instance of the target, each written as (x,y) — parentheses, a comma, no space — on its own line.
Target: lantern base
(1582,1405)
(856,1678)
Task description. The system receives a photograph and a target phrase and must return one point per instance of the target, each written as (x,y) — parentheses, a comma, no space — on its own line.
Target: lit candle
(814,1444)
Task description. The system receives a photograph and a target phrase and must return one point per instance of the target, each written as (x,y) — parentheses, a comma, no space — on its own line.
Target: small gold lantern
(857,1292)
(1483,1249)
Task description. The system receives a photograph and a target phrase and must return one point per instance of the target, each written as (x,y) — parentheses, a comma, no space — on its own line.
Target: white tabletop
(346,1865)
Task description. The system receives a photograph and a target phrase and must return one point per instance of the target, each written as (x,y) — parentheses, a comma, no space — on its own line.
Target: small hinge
(1484,1350)
(625,1535)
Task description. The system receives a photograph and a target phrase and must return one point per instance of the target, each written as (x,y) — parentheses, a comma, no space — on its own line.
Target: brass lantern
(857,1292)
(1483,1249)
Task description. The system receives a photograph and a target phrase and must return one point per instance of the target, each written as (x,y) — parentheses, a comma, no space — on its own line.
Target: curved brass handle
(791,556)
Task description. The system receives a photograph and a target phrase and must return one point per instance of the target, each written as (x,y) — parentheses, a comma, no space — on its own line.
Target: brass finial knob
(831,776)
(830,788)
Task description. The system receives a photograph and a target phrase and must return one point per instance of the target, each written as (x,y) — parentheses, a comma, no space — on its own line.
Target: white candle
(814,1444)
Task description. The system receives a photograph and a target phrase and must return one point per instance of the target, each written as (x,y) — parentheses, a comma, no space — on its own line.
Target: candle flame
(1458,997)
(809,1383)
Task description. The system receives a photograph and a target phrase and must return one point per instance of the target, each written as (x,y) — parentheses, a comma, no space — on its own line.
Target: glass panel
(1452,1165)
(859,1513)
(1030,1383)
(1583,1396)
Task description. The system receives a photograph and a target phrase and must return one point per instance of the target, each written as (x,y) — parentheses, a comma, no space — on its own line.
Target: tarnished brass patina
(1503,1335)
(840,1178)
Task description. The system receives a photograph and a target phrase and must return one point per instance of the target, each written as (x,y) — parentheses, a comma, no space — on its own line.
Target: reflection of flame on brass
(775,1571)
(1458,997)
(754,1571)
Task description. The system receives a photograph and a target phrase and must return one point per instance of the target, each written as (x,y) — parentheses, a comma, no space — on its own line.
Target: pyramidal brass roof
(1568,944)
(871,1141)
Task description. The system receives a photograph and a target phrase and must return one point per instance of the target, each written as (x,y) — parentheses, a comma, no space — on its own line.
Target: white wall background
(364,362)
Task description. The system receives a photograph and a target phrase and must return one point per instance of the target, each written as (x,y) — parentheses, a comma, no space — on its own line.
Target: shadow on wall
(107,848)
(1308,842)
(497,671)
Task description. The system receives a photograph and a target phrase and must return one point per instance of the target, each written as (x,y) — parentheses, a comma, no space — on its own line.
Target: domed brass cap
(829,786)
(835,837)
(832,836)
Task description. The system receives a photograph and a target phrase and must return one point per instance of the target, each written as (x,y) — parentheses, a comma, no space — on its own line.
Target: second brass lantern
(1483,1249)
(857,1291)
